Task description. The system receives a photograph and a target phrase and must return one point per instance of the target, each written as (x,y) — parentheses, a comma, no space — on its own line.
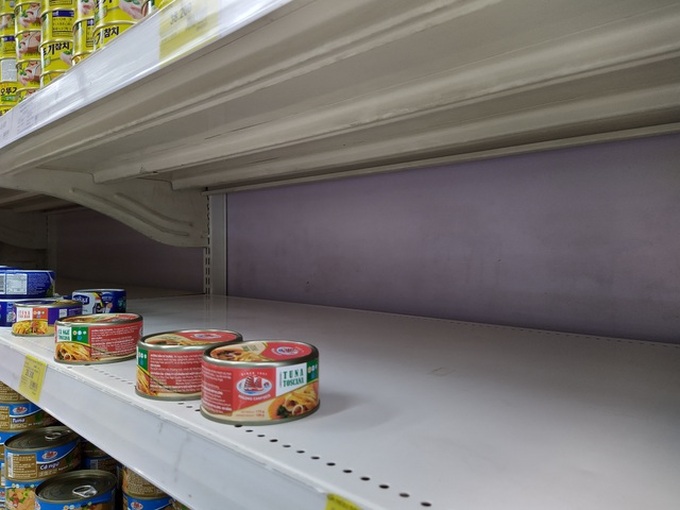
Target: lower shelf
(415,413)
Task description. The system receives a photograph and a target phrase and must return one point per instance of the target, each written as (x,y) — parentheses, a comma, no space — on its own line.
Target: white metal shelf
(413,411)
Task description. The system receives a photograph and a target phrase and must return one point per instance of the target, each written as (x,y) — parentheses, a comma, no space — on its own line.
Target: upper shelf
(276,91)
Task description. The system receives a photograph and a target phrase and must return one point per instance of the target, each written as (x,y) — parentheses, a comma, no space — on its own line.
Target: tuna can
(5,435)
(28,45)
(20,495)
(83,43)
(84,10)
(169,363)
(22,415)
(48,5)
(47,78)
(101,300)
(37,317)
(260,382)
(27,16)
(35,283)
(102,338)
(8,314)
(139,487)
(85,489)
(24,93)
(28,78)
(113,17)
(176,505)
(7,394)
(138,503)
(7,17)
(96,458)
(55,57)
(57,24)
(37,454)
(8,48)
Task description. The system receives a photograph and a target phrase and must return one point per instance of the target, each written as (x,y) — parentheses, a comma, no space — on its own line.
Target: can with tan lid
(169,363)
(260,382)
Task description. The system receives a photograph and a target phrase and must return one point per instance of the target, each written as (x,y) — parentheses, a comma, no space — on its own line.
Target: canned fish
(57,24)
(5,435)
(37,317)
(169,363)
(28,45)
(40,453)
(104,35)
(7,394)
(27,16)
(86,489)
(176,505)
(47,78)
(83,44)
(138,486)
(28,77)
(34,283)
(101,300)
(138,503)
(84,10)
(48,5)
(55,57)
(116,11)
(7,18)
(25,92)
(101,338)
(22,415)
(20,495)
(8,314)
(260,382)
(96,458)
(8,48)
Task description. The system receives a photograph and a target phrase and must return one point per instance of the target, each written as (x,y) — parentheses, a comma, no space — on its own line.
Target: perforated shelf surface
(415,413)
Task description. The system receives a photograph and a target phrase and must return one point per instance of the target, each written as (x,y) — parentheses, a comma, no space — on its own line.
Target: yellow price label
(335,502)
(32,378)
(186,25)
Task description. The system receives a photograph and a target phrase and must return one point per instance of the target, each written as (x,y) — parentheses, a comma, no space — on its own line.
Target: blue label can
(101,300)
(18,283)
(82,489)
(138,503)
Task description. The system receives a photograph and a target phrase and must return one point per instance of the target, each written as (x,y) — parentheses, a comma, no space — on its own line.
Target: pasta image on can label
(101,338)
(169,363)
(138,486)
(138,503)
(101,300)
(35,283)
(18,416)
(84,489)
(260,382)
(27,16)
(37,317)
(37,454)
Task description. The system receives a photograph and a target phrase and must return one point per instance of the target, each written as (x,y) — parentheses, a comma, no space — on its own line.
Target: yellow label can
(105,34)
(8,69)
(83,37)
(57,24)
(28,45)
(48,5)
(8,48)
(28,73)
(115,11)
(27,16)
(23,93)
(56,55)
(7,23)
(48,77)
(84,10)
(8,93)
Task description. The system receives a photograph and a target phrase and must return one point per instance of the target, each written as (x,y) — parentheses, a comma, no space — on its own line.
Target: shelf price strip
(335,502)
(32,378)
(186,25)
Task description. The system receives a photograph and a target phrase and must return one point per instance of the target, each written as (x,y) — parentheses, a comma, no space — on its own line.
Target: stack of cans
(113,17)
(56,48)
(27,37)
(8,57)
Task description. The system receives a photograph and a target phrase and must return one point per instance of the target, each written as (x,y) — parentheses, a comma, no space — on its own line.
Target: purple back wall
(582,239)
(94,247)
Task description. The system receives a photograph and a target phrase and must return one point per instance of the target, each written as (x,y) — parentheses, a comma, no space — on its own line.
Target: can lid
(41,438)
(75,486)
(48,303)
(198,337)
(101,319)
(263,351)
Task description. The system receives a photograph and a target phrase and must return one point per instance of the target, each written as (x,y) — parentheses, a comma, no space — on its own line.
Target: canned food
(26,16)
(169,363)
(28,45)
(22,415)
(40,453)
(20,495)
(138,503)
(24,93)
(8,48)
(7,394)
(116,11)
(104,35)
(57,24)
(138,486)
(96,458)
(56,56)
(8,72)
(83,44)
(5,435)
(6,19)
(260,382)
(35,283)
(84,10)
(28,77)
(101,338)
(8,315)
(176,505)
(149,7)
(101,300)
(48,5)
(85,489)
(37,317)
(47,78)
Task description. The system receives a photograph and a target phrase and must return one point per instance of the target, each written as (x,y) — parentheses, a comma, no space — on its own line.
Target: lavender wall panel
(93,247)
(582,239)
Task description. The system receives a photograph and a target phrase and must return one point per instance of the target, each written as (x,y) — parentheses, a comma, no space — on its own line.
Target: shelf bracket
(152,207)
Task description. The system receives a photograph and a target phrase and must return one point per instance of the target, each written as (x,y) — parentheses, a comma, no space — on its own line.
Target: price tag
(335,502)
(186,25)
(32,377)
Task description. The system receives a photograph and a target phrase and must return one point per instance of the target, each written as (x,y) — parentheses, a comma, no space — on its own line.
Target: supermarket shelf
(257,93)
(416,413)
